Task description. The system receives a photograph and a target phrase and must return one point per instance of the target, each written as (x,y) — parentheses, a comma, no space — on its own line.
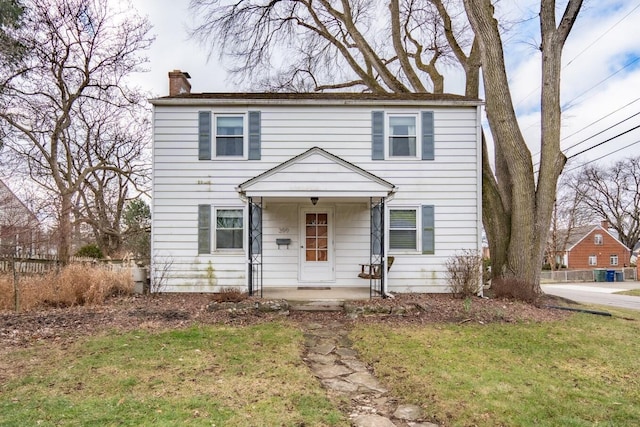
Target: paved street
(596,293)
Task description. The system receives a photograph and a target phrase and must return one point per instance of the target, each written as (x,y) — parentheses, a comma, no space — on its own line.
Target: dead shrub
(512,288)
(73,285)
(464,273)
(229,295)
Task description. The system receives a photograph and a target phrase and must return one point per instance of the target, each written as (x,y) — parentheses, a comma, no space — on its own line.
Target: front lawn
(578,372)
(200,376)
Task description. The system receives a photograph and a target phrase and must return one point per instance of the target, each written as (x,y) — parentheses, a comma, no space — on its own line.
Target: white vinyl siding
(451,182)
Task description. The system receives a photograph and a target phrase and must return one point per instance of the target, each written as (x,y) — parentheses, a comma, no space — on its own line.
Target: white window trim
(245,137)
(214,229)
(611,259)
(598,240)
(387,135)
(418,248)
(595,260)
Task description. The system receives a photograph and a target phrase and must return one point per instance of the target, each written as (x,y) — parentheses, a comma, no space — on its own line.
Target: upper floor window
(229,136)
(593,260)
(597,239)
(613,259)
(402,136)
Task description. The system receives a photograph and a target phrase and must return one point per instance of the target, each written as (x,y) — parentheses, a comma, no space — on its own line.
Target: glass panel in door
(316,239)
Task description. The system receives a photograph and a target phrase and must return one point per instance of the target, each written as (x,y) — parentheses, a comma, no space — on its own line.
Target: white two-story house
(300,190)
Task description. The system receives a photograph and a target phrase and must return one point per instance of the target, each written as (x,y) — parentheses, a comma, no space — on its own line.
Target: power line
(601,132)
(604,142)
(636,59)
(583,51)
(600,119)
(592,136)
(603,156)
(599,144)
(601,36)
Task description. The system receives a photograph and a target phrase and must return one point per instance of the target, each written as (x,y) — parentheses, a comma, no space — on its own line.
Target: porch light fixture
(314,201)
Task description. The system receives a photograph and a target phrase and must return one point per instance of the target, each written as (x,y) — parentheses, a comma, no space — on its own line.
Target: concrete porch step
(328,305)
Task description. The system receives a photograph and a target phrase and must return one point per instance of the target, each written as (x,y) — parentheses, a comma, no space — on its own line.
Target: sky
(600,81)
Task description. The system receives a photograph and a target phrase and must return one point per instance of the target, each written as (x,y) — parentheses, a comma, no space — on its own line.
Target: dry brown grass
(73,285)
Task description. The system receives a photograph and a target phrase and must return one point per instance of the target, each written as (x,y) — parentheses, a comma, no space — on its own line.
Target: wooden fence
(45,265)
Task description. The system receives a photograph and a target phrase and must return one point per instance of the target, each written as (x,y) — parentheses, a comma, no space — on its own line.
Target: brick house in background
(593,246)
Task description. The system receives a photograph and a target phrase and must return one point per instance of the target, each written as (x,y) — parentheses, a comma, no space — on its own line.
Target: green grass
(201,376)
(631,292)
(583,371)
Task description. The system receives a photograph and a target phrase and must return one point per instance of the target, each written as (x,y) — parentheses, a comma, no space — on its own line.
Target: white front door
(316,245)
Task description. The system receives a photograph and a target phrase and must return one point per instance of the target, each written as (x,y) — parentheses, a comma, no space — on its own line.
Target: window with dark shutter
(204,135)
(428,150)
(254,135)
(377,135)
(204,229)
(428,229)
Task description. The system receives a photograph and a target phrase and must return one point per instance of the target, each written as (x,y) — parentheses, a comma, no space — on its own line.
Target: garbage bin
(619,276)
(600,274)
(611,275)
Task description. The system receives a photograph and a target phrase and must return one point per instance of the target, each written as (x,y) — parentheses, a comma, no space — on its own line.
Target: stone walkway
(335,363)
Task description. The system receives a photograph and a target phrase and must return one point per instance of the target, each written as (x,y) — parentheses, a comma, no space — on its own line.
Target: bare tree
(78,50)
(613,194)
(348,45)
(118,138)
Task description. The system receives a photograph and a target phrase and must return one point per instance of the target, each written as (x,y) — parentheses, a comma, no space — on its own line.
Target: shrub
(229,295)
(90,251)
(73,285)
(464,273)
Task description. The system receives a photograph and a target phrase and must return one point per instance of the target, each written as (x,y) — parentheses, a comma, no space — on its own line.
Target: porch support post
(254,251)
(377,262)
(250,251)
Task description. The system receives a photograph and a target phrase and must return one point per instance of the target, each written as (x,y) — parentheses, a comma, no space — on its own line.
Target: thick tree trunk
(521,272)
(64,229)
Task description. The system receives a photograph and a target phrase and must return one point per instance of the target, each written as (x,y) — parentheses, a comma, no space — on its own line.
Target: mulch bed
(167,311)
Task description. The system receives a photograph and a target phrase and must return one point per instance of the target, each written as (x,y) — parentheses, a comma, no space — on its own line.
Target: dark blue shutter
(376,230)
(427,136)
(428,235)
(204,229)
(377,135)
(254,135)
(204,135)
(256,229)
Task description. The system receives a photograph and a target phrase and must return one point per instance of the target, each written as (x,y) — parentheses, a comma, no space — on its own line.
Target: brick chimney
(604,224)
(178,83)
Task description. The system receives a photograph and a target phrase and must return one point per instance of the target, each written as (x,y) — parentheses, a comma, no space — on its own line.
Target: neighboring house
(593,246)
(259,190)
(19,227)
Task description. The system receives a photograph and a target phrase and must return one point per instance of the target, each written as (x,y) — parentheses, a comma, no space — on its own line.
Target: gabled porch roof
(316,173)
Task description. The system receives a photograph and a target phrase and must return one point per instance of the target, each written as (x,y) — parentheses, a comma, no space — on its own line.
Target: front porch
(316,294)
(313,222)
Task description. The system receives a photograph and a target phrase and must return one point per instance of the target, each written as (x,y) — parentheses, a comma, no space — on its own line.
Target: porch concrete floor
(332,294)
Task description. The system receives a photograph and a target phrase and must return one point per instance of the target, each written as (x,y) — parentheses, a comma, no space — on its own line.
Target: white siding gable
(318,172)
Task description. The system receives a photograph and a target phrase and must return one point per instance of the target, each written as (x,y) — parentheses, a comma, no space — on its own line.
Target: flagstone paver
(330,357)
